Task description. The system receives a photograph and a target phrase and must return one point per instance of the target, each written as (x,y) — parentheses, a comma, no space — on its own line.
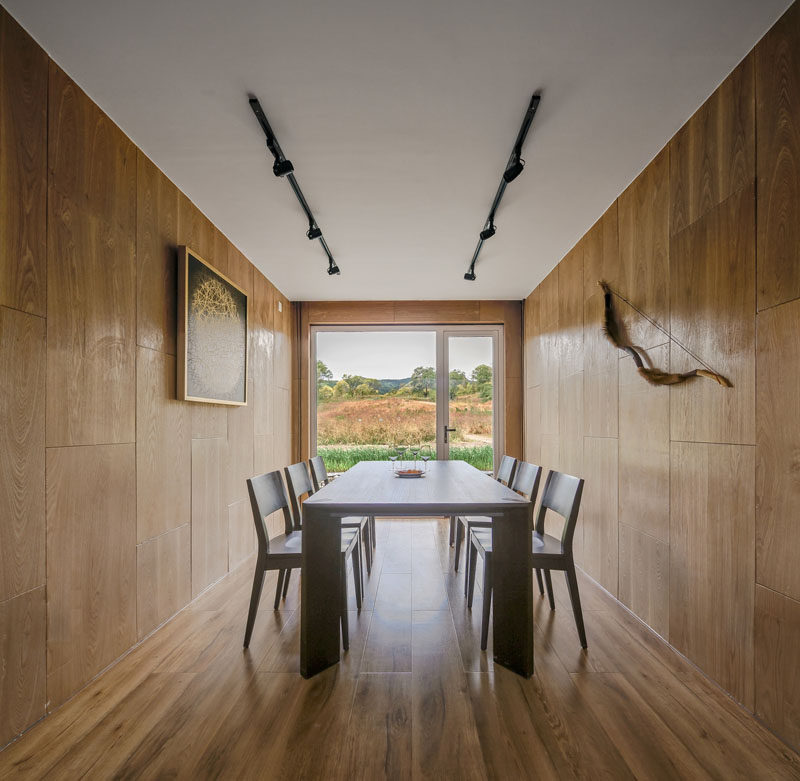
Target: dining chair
(562,495)
(298,481)
(505,474)
(285,551)
(320,477)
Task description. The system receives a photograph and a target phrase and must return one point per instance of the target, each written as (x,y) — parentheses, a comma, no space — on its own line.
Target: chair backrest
(298,481)
(526,479)
(562,494)
(319,474)
(267,495)
(505,472)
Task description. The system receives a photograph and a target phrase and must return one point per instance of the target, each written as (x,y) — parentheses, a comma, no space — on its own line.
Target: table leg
(320,605)
(513,592)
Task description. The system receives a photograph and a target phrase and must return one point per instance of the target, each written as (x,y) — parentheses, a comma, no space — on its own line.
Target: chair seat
(543,544)
(353,521)
(292,544)
(476,520)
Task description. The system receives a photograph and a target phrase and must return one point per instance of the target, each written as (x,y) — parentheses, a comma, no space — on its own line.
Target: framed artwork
(212,334)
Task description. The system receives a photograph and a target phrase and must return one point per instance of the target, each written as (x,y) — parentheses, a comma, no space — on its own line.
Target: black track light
(282,167)
(514,168)
(487,233)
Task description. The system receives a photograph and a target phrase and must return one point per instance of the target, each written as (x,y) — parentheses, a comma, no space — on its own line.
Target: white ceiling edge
(399,121)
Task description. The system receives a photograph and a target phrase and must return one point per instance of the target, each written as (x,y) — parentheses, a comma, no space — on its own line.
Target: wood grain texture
(23,169)
(22,672)
(777,77)
(531,341)
(22,462)
(777,478)
(437,311)
(644,577)
(238,453)
(713,155)
(712,561)
(599,511)
(241,533)
(209,516)
(570,312)
(196,231)
(163,577)
(570,402)
(262,348)
(601,404)
(644,449)
(343,312)
(512,416)
(713,316)
(533,425)
(91,268)
(549,338)
(163,448)
(282,411)
(156,257)
(777,648)
(284,334)
(91,562)
(644,253)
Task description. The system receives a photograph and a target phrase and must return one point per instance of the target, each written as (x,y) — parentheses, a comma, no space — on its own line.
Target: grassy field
(353,430)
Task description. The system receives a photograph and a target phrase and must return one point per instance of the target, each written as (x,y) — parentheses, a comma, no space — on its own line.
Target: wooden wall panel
(713,316)
(22,405)
(777,649)
(644,577)
(241,533)
(209,517)
(713,155)
(533,424)
(91,562)
(282,410)
(283,320)
(91,268)
(22,672)
(195,230)
(599,511)
(712,561)
(531,340)
(570,313)
(156,258)
(163,447)
(164,578)
(23,169)
(777,77)
(644,449)
(644,275)
(262,346)
(238,452)
(446,311)
(777,477)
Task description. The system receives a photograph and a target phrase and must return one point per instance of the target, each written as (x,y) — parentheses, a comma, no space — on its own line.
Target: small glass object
(394,454)
(426,454)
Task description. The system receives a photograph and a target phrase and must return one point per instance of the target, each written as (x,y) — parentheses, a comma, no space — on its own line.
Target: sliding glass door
(438,387)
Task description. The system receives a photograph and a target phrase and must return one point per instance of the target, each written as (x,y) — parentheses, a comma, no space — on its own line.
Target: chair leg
(539,581)
(255,598)
(366,542)
(279,588)
(487,599)
(575,598)
(549,583)
(286,583)
(452,530)
(372,531)
(472,552)
(344,616)
(459,540)
(357,575)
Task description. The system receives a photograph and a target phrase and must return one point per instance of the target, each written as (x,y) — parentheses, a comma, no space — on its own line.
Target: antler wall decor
(616,335)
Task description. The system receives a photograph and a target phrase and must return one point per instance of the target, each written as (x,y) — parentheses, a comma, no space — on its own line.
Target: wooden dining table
(448,488)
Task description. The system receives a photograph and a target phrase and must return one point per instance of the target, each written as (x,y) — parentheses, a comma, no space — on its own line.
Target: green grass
(339,458)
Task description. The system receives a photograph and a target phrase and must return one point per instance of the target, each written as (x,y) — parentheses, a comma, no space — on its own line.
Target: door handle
(447,430)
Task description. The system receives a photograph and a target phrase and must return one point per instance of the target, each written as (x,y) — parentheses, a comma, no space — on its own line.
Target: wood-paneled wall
(506,313)
(118,504)
(692,500)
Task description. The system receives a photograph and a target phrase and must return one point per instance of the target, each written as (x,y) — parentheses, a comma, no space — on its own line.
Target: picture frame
(212,334)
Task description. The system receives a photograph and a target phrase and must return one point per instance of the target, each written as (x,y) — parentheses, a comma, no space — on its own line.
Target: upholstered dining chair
(366,526)
(285,551)
(562,495)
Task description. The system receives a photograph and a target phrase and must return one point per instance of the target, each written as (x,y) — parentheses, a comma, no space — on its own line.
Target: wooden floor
(413,698)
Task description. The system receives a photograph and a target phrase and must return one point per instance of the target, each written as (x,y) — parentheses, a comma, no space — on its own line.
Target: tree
(457,379)
(324,393)
(363,390)
(323,372)
(341,389)
(482,374)
(423,379)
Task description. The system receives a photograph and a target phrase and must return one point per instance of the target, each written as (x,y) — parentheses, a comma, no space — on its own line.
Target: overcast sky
(386,355)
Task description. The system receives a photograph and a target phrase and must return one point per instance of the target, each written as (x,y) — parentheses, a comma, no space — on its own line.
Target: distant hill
(385,386)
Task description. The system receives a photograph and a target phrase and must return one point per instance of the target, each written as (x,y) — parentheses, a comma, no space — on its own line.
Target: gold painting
(212,334)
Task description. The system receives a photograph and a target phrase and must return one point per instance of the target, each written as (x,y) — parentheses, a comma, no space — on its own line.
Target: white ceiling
(399,116)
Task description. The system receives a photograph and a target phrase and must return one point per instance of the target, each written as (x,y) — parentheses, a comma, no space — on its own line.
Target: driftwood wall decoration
(615,332)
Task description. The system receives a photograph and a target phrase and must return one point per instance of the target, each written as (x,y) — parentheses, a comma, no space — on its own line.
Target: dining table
(447,488)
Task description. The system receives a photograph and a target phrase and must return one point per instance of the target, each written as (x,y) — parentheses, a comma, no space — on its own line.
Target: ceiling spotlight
(282,167)
(313,232)
(332,267)
(514,169)
(487,233)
